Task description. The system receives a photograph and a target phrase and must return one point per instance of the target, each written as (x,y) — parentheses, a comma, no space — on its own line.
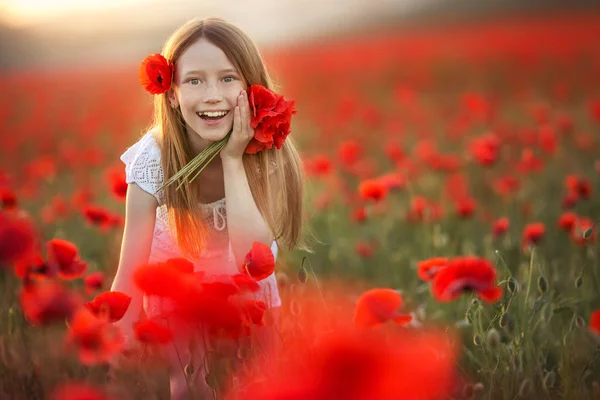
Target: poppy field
(452,188)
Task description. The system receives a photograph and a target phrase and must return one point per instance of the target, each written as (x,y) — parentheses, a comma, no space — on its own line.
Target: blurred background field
(477,123)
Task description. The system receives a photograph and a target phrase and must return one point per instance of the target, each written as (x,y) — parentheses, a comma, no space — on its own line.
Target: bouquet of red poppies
(271,116)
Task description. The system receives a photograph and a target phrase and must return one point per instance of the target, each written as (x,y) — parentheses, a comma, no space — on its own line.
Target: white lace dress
(143,167)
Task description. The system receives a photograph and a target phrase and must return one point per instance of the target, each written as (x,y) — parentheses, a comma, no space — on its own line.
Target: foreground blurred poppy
(377,306)
(427,269)
(46,302)
(63,257)
(151,332)
(17,240)
(353,365)
(109,305)
(95,339)
(595,322)
(464,274)
(78,391)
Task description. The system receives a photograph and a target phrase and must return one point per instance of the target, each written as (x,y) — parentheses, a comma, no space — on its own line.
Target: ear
(173,98)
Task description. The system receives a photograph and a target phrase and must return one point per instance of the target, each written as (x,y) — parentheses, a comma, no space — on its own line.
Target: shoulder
(143,163)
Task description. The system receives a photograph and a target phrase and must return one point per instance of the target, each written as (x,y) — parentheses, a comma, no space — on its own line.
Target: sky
(28,12)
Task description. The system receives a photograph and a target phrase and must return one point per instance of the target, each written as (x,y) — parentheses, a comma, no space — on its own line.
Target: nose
(212,94)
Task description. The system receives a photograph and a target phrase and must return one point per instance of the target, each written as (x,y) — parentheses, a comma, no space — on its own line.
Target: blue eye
(194,80)
(229,77)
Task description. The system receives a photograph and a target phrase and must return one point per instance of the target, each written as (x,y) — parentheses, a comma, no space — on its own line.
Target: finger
(237,123)
(243,113)
(248,115)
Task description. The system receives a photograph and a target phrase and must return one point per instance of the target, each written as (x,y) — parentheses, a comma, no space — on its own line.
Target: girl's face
(206,81)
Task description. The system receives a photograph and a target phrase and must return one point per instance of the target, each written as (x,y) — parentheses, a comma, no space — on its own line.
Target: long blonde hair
(278,194)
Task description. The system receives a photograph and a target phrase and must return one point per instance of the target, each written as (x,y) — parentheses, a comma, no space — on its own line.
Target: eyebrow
(228,70)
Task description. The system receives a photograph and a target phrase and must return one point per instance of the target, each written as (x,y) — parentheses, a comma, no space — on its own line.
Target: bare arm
(135,249)
(244,221)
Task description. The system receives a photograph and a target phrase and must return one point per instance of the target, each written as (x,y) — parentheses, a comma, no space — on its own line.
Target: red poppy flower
(78,391)
(271,118)
(319,165)
(463,274)
(254,311)
(378,306)
(98,216)
(533,233)
(485,149)
(17,240)
(466,207)
(595,322)
(428,268)
(372,189)
(8,199)
(95,339)
(567,221)
(349,152)
(93,281)
(364,249)
(156,74)
(151,332)
(259,262)
(500,227)
(109,305)
(246,283)
(359,214)
(116,181)
(47,302)
(364,365)
(63,258)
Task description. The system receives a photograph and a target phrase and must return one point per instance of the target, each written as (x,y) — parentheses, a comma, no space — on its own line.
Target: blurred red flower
(109,305)
(47,302)
(500,227)
(17,240)
(78,391)
(463,274)
(95,339)
(595,322)
(533,233)
(151,332)
(427,269)
(372,189)
(378,306)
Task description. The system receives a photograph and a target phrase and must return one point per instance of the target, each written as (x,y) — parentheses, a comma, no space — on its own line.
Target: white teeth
(213,114)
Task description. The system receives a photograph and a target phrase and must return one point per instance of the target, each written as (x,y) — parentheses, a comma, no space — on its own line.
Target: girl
(238,198)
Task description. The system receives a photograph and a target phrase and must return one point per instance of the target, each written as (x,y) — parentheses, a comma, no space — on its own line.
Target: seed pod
(549,380)
(302,275)
(493,338)
(578,281)
(542,284)
(525,388)
(512,285)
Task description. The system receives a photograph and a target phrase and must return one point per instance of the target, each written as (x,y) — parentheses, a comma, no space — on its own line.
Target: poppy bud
(549,380)
(493,338)
(539,302)
(295,308)
(512,284)
(477,340)
(302,275)
(587,233)
(578,281)
(542,284)
(579,321)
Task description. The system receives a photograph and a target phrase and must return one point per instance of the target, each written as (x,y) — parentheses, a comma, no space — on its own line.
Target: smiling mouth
(212,118)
